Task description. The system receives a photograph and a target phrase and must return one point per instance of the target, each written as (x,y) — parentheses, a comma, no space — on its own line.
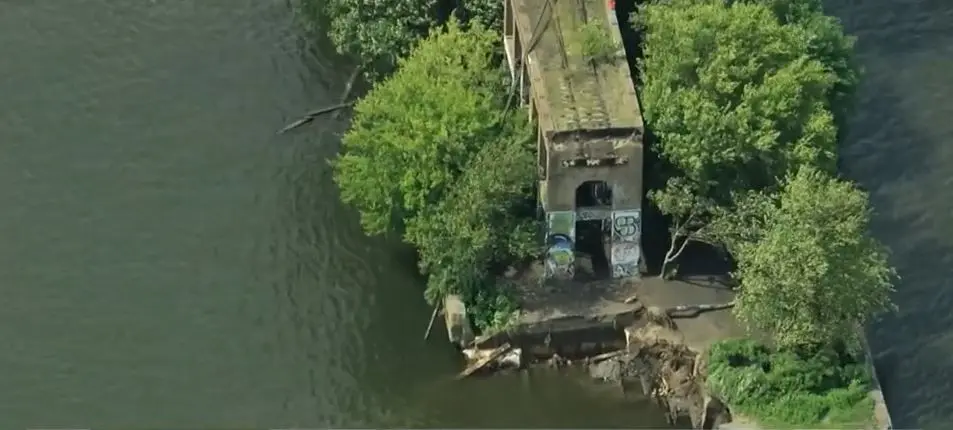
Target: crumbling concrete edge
(881,413)
(459,329)
(561,324)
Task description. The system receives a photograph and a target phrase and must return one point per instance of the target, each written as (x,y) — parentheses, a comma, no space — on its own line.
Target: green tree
(689,209)
(732,95)
(377,33)
(828,44)
(810,272)
(488,219)
(433,156)
(414,133)
(486,12)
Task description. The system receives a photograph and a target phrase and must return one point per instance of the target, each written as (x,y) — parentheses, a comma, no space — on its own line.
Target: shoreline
(642,351)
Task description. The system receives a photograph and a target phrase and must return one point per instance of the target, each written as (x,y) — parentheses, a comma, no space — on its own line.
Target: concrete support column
(560,245)
(625,258)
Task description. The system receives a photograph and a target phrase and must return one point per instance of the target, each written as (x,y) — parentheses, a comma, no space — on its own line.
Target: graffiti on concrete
(560,238)
(626,252)
(626,225)
(625,259)
(592,213)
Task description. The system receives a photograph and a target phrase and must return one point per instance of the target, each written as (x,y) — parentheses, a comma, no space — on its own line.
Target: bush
(808,386)
(492,307)
(596,45)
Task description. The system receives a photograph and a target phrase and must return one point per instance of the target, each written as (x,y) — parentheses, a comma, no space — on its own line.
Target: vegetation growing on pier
(791,387)
(432,155)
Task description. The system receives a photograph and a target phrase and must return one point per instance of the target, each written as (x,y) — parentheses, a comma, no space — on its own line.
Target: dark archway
(593,193)
(591,238)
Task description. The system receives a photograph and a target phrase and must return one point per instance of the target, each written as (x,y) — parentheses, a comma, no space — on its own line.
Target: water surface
(168,261)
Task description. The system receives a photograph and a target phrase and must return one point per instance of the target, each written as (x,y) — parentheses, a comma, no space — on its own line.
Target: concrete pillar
(560,245)
(626,249)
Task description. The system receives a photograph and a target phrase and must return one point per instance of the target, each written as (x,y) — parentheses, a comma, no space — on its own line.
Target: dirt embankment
(658,360)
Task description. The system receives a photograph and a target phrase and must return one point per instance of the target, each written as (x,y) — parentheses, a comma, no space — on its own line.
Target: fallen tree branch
(692,311)
(311,116)
(436,310)
(347,89)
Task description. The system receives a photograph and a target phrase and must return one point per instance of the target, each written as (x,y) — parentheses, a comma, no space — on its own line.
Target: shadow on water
(898,148)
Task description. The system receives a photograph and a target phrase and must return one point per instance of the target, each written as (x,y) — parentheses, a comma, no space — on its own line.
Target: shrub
(808,386)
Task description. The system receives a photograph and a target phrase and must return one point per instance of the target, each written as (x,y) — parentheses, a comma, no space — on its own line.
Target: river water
(900,148)
(168,261)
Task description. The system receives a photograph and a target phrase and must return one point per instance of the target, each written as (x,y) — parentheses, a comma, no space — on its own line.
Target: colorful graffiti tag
(626,251)
(560,238)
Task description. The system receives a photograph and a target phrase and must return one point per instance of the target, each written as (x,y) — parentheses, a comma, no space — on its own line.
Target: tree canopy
(828,44)
(733,95)
(414,133)
(378,33)
(809,270)
(488,218)
(432,155)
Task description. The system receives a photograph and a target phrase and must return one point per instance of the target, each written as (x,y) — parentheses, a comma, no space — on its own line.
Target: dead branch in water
(347,89)
(336,109)
(436,310)
(311,116)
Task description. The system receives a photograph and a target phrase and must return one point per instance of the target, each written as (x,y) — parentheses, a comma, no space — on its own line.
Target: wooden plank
(503,349)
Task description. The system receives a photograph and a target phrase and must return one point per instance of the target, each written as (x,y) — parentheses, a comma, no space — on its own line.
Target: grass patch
(807,388)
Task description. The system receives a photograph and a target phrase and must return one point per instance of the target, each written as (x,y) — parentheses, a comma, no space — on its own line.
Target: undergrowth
(491,308)
(811,387)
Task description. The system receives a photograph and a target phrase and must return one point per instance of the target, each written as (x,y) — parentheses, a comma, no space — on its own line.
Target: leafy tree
(377,32)
(828,44)
(488,218)
(414,133)
(810,273)
(689,209)
(486,12)
(732,95)
(432,155)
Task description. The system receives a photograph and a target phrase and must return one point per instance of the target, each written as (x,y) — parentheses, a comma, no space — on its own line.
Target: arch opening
(593,203)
